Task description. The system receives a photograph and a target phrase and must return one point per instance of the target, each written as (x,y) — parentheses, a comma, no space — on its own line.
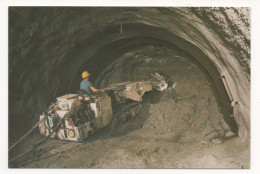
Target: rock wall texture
(232,25)
(50,47)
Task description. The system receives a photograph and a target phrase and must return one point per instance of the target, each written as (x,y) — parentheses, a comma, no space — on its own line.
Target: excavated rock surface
(50,47)
(181,108)
(167,132)
(232,25)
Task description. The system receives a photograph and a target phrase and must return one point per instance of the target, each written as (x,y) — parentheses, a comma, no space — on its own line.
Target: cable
(67,115)
(28,133)
(54,130)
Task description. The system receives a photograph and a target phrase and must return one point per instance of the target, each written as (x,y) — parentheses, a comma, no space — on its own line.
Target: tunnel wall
(48,48)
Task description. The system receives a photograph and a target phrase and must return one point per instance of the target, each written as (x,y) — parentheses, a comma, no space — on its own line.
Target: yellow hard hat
(85,74)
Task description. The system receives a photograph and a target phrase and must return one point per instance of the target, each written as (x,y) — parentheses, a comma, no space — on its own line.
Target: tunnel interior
(122,60)
(128,48)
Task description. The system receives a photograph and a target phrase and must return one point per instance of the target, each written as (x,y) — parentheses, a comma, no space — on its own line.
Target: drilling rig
(75,117)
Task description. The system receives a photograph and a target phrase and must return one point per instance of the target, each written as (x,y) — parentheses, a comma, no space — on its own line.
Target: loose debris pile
(165,130)
(192,119)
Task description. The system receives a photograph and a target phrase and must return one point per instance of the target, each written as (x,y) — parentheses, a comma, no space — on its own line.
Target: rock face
(206,50)
(232,25)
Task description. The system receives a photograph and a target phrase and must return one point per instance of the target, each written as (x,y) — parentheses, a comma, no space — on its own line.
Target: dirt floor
(167,132)
(182,127)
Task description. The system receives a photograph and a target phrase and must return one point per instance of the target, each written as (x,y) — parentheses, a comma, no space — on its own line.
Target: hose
(30,131)
(67,115)
(22,154)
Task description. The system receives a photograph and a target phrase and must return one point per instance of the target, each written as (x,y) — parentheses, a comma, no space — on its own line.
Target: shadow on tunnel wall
(50,55)
(108,54)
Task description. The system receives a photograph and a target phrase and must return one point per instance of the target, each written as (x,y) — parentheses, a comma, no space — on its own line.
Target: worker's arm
(96,90)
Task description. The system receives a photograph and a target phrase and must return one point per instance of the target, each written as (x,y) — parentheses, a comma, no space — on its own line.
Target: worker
(87,86)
